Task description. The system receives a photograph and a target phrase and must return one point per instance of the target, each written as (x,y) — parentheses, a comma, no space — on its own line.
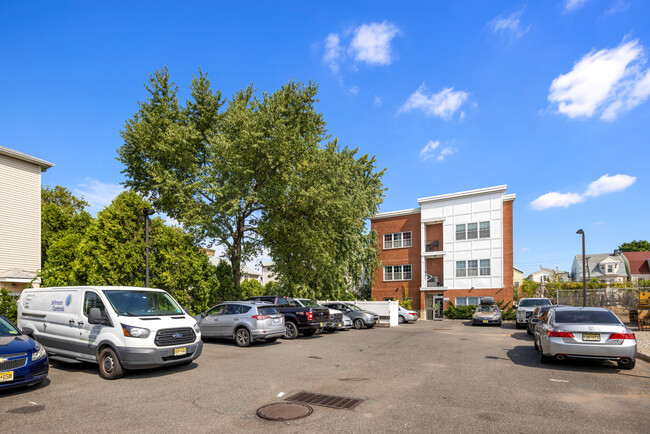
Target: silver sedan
(585,333)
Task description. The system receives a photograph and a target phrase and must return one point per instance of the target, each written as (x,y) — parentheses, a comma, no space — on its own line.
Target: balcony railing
(433,246)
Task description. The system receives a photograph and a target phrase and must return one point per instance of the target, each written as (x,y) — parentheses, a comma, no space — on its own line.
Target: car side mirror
(95,317)
(204,314)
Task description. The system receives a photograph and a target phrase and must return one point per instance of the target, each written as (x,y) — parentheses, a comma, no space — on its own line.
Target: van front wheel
(110,367)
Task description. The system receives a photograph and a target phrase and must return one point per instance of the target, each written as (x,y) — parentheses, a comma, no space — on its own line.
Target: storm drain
(325,400)
(282,411)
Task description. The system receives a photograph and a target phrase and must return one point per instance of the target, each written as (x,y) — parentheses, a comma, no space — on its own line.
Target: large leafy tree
(635,246)
(254,172)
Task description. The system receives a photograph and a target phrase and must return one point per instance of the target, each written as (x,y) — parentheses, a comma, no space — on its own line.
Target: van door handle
(71,322)
(80,323)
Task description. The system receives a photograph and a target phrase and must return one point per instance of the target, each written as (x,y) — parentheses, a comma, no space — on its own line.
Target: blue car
(23,361)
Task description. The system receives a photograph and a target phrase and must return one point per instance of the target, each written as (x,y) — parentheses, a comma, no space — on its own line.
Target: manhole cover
(284,411)
(325,400)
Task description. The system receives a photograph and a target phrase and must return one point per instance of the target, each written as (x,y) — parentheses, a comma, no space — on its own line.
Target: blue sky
(550,98)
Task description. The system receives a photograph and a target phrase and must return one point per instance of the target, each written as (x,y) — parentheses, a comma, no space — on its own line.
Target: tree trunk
(235,259)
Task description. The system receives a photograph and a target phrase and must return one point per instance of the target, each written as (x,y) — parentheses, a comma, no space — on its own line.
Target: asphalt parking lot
(424,377)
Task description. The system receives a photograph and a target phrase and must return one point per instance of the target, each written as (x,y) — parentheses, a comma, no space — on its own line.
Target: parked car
(116,327)
(536,316)
(347,322)
(23,361)
(405,315)
(360,318)
(297,318)
(525,309)
(487,314)
(336,316)
(244,321)
(585,333)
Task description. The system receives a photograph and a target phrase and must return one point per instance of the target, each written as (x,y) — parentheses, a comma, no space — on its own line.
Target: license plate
(180,351)
(6,376)
(591,336)
(485,320)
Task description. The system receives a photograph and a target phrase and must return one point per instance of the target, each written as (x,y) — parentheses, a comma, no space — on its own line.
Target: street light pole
(584,269)
(147,212)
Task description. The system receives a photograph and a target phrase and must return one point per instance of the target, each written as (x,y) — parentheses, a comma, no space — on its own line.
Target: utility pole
(147,212)
(584,269)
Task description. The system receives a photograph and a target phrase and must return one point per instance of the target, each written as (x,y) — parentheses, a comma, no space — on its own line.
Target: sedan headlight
(39,352)
(135,332)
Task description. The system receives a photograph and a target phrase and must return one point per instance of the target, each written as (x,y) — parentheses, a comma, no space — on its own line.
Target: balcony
(433,246)
(434,281)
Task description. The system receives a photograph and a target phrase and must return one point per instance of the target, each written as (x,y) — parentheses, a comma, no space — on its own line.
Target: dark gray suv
(243,321)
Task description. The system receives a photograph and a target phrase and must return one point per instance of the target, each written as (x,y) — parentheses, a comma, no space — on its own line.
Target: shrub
(8,305)
(459,312)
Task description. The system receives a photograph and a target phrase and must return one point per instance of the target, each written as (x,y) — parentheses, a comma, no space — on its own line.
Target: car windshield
(142,303)
(530,302)
(487,309)
(7,328)
(585,316)
(308,303)
(353,307)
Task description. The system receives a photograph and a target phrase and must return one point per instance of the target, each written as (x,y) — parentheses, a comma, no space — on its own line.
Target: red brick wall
(507,250)
(401,256)
(434,232)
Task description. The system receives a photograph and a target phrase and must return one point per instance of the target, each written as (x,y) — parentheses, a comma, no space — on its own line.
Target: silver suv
(525,309)
(243,321)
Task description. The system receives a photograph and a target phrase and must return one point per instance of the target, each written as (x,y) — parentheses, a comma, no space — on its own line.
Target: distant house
(606,267)
(638,265)
(245,270)
(517,277)
(20,219)
(549,275)
(268,275)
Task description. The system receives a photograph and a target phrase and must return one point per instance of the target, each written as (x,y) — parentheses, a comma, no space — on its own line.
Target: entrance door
(438,305)
(429,306)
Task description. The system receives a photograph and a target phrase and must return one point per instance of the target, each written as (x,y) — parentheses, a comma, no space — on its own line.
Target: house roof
(24,157)
(16,275)
(639,262)
(488,190)
(596,258)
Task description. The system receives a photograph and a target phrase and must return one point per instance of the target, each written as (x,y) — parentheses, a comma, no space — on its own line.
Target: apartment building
(453,248)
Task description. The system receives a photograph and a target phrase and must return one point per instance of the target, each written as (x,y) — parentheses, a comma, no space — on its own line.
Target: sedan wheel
(358,323)
(243,337)
(542,357)
(401,319)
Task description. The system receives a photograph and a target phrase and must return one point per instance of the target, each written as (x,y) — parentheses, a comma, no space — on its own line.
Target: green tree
(251,288)
(255,172)
(8,305)
(528,288)
(635,246)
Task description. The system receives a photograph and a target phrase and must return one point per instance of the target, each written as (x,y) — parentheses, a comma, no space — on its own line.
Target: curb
(643,357)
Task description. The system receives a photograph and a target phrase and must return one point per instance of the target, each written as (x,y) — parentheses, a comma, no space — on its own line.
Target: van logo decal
(178,335)
(68,300)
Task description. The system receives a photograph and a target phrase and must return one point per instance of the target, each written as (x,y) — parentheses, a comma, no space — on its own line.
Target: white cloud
(354,90)
(556,199)
(510,24)
(333,51)
(572,5)
(604,184)
(609,184)
(98,194)
(371,43)
(442,104)
(523,249)
(377,101)
(609,81)
(597,223)
(430,151)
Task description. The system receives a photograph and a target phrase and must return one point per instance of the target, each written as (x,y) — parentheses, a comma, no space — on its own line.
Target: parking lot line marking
(280,395)
(558,381)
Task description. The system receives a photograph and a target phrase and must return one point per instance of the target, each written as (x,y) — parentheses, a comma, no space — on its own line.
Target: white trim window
(397,272)
(472,231)
(467,301)
(473,268)
(397,240)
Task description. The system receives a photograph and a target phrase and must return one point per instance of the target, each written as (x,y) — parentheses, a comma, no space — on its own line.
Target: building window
(460,232)
(388,298)
(396,240)
(610,269)
(471,268)
(466,301)
(460,269)
(485,267)
(484,230)
(473,231)
(397,272)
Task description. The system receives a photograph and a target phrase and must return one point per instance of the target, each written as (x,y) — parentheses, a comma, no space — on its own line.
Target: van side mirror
(204,314)
(95,317)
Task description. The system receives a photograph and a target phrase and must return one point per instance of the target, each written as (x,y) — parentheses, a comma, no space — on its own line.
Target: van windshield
(142,303)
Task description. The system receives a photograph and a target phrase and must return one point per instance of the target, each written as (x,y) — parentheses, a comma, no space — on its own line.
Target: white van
(116,326)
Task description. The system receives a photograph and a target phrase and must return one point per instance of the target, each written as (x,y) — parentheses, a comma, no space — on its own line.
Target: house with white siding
(20,219)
